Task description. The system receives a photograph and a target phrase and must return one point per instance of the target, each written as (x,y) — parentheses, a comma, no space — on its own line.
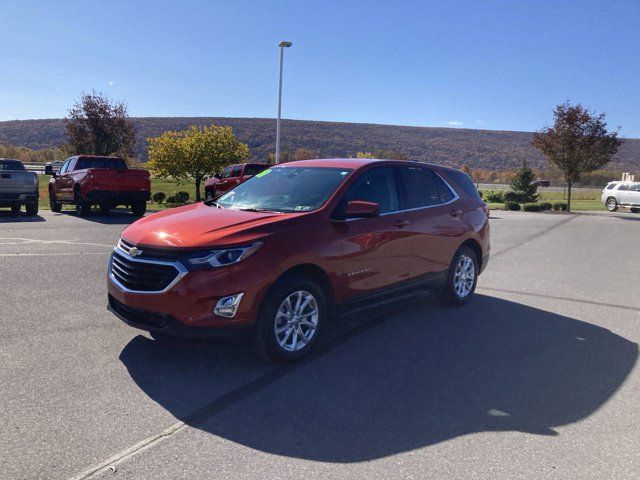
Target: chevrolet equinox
(296,244)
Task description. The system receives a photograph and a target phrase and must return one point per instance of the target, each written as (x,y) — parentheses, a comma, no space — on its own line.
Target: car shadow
(114,217)
(410,377)
(8,217)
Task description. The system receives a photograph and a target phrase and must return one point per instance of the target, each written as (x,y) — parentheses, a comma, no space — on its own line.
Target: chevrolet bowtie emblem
(134,252)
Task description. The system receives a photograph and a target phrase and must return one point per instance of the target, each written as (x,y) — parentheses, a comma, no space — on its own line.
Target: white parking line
(55,254)
(31,241)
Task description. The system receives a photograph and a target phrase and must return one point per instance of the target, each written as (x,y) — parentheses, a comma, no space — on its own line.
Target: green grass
(581,200)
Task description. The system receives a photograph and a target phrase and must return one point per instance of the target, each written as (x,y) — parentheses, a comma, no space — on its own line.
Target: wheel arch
(316,273)
(477,249)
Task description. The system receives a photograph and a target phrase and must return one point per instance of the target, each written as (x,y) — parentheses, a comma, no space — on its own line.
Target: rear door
(373,256)
(634,194)
(433,220)
(622,193)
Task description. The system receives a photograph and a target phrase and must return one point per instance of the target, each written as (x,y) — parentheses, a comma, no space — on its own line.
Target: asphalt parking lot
(536,378)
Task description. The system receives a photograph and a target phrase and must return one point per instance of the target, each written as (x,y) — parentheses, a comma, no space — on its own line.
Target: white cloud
(111,82)
(455,123)
(479,122)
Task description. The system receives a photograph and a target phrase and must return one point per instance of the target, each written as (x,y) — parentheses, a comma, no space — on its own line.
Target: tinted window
(253,169)
(377,185)
(11,165)
(227,172)
(623,187)
(611,186)
(636,187)
(423,188)
(237,171)
(285,189)
(464,181)
(101,162)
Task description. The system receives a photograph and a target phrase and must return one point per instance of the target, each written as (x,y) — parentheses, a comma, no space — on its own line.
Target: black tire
(82,207)
(15,209)
(56,207)
(449,295)
(32,209)
(267,345)
(635,210)
(139,209)
(612,204)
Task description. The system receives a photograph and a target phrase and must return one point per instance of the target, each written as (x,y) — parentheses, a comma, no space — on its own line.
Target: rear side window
(423,188)
(237,171)
(255,169)
(611,186)
(377,185)
(636,187)
(464,181)
(623,187)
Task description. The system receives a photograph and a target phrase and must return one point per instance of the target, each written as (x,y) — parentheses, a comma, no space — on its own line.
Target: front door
(373,257)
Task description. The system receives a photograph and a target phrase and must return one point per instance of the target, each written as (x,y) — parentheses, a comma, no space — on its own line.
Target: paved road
(536,378)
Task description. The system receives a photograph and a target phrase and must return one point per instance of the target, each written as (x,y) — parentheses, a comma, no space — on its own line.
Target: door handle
(402,223)
(455,213)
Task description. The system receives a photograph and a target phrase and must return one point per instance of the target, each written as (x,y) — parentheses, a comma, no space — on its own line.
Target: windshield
(101,162)
(285,189)
(11,165)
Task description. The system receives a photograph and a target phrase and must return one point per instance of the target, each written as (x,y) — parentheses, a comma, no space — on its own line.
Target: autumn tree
(96,126)
(578,143)
(194,153)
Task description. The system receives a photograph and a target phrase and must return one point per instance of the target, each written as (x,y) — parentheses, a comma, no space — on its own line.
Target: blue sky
(470,64)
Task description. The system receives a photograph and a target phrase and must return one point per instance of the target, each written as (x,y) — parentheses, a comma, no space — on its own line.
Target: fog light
(228,306)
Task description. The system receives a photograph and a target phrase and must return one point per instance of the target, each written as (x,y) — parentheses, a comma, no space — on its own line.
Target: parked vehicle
(622,194)
(231,176)
(53,167)
(285,250)
(18,187)
(87,180)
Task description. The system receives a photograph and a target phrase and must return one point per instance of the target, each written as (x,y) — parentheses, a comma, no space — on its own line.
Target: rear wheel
(32,209)
(612,204)
(461,279)
(105,207)
(635,210)
(55,206)
(290,319)
(15,209)
(139,208)
(82,207)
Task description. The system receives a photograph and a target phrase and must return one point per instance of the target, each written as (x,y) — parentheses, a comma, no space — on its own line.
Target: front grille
(142,276)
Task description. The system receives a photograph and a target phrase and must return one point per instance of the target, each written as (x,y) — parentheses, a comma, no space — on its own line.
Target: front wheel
(56,207)
(461,278)
(635,210)
(612,204)
(15,209)
(290,319)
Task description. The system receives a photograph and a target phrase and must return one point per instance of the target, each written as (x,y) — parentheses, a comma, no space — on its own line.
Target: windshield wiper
(213,203)
(253,209)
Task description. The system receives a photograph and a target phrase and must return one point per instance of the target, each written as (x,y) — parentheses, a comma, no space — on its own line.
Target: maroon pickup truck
(231,177)
(87,180)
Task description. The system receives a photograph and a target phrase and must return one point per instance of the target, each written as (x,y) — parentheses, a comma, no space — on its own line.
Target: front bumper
(189,302)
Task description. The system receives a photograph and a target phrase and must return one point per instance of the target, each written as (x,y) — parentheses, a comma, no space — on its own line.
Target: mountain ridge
(486,149)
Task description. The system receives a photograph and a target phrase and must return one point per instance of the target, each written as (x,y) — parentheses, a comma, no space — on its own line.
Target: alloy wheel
(464,276)
(296,321)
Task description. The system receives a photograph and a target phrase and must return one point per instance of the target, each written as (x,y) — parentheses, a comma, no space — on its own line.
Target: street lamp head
(285,44)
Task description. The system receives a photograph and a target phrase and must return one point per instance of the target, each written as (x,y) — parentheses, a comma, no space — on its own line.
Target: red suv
(297,243)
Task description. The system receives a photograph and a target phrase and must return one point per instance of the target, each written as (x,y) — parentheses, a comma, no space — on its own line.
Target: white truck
(18,187)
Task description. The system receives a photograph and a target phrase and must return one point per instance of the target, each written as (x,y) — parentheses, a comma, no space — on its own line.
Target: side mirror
(54,174)
(361,209)
(216,175)
(48,170)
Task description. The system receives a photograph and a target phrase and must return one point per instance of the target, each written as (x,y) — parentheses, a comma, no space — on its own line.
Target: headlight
(223,256)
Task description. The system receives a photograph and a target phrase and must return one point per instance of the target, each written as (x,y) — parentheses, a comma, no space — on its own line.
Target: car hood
(200,225)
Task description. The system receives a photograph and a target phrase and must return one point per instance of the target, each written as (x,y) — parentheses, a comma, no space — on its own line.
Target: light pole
(282,46)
